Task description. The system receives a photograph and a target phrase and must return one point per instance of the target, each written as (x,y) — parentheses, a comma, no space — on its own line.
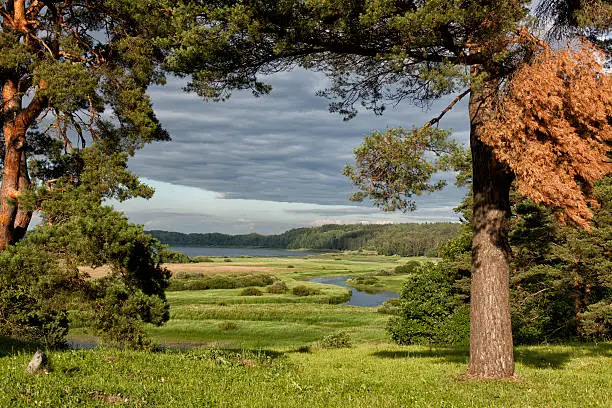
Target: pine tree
(61,65)
(376,51)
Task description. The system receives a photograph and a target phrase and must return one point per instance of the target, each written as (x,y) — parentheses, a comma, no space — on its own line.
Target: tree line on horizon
(406,239)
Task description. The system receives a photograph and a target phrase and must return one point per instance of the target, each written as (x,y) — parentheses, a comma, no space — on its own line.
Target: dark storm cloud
(281,147)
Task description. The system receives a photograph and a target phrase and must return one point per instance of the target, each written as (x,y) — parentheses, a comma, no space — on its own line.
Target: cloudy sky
(268,164)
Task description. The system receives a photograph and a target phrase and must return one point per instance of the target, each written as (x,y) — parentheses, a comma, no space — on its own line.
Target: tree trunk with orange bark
(13,220)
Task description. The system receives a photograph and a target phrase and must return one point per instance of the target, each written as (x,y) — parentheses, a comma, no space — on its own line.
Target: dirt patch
(203,267)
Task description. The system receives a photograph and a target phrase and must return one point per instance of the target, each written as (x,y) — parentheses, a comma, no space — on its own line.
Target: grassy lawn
(369,375)
(266,351)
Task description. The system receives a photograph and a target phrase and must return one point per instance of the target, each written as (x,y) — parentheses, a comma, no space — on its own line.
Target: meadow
(226,348)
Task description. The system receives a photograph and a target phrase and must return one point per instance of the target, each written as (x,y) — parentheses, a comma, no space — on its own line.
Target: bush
(278,287)
(228,325)
(290,266)
(167,255)
(200,281)
(385,272)
(407,268)
(303,290)
(201,259)
(340,339)
(251,291)
(429,311)
(365,280)
(390,306)
(596,321)
(227,260)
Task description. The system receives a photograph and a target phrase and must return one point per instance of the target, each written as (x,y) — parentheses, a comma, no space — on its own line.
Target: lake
(238,252)
(359,298)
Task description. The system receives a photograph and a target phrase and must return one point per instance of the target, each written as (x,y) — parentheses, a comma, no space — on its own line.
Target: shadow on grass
(450,354)
(543,357)
(10,346)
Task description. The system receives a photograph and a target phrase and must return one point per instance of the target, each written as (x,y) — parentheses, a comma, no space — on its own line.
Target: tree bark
(14,144)
(491,348)
(23,216)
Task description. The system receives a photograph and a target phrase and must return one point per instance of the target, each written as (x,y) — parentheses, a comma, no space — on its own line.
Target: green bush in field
(365,280)
(409,267)
(201,259)
(596,322)
(339,339)
(227,260)
(429,311)
(390,306)
(251,291)
(303,290)
(167,255)
(385,272)
(200,281)
(278,287)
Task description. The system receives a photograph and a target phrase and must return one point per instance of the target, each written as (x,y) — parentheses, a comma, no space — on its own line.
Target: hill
(410,239)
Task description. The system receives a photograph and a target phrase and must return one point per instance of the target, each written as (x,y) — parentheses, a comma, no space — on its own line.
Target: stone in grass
(38,362)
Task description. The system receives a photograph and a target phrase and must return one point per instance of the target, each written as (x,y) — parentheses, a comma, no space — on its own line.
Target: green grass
(264,351)
(370,376)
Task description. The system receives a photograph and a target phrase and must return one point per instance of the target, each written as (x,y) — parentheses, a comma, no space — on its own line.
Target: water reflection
(359,298)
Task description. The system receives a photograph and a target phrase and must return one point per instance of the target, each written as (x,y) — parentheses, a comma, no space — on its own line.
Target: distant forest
(394,239)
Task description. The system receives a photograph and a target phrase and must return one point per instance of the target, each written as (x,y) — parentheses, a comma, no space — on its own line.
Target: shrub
(251,291)
(596,321)
(303,290)
(167,255)
(430,313)
(201,281)
(227,260)
(365,280)
(228,325)
(290,266)
(278,287)
(339,339)
(201,259)
(385,272)
(409,267)
(390,306)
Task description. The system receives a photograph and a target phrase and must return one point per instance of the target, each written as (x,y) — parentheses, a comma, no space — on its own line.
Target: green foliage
(202,281)
(408,268)
(340,339)
(278,287)
(78,230)
(561,281)
(400,239)
(202,259)
(390,306)
(169,256)
(430,310)
(596,321)
(35,291)
(251,291)
(393,166)
(303,290)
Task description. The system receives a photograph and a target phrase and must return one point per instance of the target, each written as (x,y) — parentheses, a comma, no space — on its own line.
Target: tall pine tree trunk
(14,145)
(14,220)
(491,348)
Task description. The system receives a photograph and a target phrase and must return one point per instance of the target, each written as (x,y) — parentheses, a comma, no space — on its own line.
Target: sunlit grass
(381,375)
